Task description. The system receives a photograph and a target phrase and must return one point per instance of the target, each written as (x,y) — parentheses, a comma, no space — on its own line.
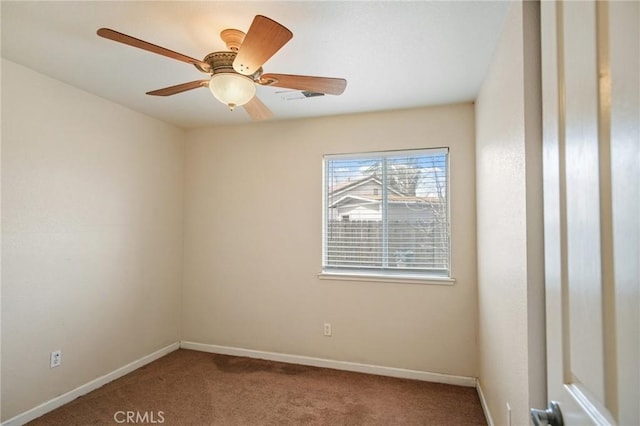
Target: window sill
(406,279)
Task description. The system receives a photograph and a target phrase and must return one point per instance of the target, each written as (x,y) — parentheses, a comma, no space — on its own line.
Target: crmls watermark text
(132,417)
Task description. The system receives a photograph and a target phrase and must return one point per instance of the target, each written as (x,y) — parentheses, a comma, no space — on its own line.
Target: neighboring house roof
(351,199)
(347,193)
(349,186)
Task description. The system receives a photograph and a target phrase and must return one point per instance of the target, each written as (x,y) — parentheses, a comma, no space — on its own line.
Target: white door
(591,157)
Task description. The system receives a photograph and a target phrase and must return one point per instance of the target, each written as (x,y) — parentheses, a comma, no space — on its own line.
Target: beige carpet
(197,388)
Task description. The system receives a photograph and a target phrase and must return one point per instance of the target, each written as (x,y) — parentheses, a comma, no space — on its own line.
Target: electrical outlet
(56,358)
(327,329)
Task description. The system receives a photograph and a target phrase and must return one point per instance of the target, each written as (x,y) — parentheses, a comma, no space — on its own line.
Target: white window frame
(374,274)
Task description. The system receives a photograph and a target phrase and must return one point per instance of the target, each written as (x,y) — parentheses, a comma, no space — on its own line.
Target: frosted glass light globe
(232,89)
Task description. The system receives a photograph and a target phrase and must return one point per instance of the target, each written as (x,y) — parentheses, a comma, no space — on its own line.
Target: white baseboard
(485,407)
(59,401)
(336,365)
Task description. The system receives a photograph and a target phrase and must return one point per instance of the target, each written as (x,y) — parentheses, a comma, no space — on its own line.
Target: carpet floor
(197,388)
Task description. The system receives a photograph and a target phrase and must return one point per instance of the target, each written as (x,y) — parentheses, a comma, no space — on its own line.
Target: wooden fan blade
(331,86)
(179,88)
(257,110)
(264,38)
(141,44)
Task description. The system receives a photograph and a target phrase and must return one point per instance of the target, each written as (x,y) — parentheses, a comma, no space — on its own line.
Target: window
(387,214)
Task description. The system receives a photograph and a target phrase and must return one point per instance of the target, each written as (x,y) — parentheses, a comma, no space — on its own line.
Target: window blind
(387,213)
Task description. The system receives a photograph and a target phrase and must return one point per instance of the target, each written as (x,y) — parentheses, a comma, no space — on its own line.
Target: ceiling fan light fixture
(232,75)
(232,89)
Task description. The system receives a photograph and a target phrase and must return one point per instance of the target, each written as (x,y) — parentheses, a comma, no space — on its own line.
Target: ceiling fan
(234,73)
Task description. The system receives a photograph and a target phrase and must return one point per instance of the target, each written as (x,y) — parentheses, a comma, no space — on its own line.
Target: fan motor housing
(222,62)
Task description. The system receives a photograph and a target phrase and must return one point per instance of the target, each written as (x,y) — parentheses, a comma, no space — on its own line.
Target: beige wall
(251,273)
(91,236)
(93,224)
(509,223)
(93,232)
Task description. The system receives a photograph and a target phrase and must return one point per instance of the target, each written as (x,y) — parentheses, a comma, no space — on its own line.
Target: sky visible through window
(424,175)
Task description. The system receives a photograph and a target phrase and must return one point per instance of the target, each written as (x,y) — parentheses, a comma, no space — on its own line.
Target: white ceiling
(394,54)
